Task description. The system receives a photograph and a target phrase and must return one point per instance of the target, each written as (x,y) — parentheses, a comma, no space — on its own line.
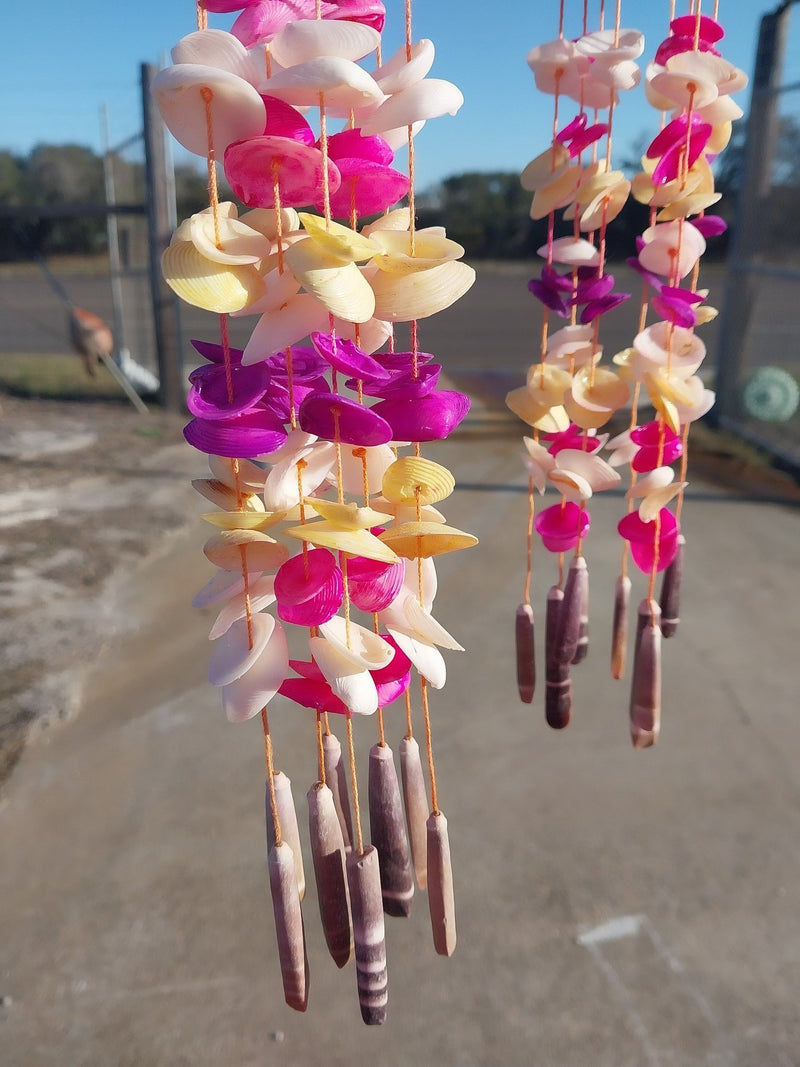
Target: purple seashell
(403,386)
(373,584)
(562,526)
(710,225)
(675,309)
(550,296)
(602,307)
(651,278)
(686,26)
(281,403)
(363,188)
(652,543)
(283,120)
(306,362)
(208,397)
(427,418)
(312,693)
(352,144)
(345,356)
(302,576)
(215,353)
(336,417)
(595,287)
(402,361)
(244,436)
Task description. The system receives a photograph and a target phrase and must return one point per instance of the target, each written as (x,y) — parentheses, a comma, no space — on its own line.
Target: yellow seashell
(217,287)
(412,479)
(599,389)
(688,205)
(340,287)
(347,516)
(405,512)
(227,240)
(224,496)
(546,168)
(414,540)
(399,219)
(550,418)
(395,253)
(243,520)
(351,542)
(230,549)
(337,240)
(404,297)
(557,194)
(586,418)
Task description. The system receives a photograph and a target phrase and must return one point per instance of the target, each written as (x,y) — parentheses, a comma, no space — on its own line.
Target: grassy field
(54,376)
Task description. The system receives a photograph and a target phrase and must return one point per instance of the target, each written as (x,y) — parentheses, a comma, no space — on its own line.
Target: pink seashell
(372,584)
(562,526)
(283,120)
(687,25)
(353,144)
(254,166)
(658,445)
(653,544)
(365,188)
(312,693)
(305,575)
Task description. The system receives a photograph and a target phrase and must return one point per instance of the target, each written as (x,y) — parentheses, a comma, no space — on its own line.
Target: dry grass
(55,376)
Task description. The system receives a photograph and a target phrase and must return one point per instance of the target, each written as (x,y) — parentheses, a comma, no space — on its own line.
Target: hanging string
(271,776)
(354,781)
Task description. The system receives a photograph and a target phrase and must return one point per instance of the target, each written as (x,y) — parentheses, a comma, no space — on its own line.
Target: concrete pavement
(615,908)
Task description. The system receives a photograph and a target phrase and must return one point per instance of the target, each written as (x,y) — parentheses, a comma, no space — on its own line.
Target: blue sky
(60,62)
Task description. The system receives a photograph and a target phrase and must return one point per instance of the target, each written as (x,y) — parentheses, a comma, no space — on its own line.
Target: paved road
(615,909)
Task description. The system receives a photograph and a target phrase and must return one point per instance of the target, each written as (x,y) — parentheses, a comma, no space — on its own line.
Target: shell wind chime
(570,393)
(326,522)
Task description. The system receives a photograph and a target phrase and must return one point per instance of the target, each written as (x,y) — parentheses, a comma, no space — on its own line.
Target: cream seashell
(585,418)
(395,254)
(599,389)
(662,345)
(266,221)
(425,627)
(427,658)
(304,39)
(571,486)
(242,520)
(216,48)
(404,70)
(365,648)
(541,414)
(658,499)
(405,512)
(248,694)
(362,469)
(693,204)
(282,489)
(589,466)
(237,110)
(404,297)
(347,516)
(224,496)
(277,330)
(413,479)
(250,475)
(572,251)
(223,586)
(353,542)
(413,539)
(337,240)
(545,168)
(398,219)
(260,594)
(238,244)
(343,83)
(216,287)
(229,549)
(279,288)
(239,648)
(353,685)
(429,98)
(557,193)
(538,462)
(658,478)
(341,288)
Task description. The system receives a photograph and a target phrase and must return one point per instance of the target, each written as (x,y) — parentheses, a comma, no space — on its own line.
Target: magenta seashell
(578,125)
(676,156)
(572,437)
(402,361)
(224,7)
(658,446)
(306,363)
(208,396)
(580,141)
(363,187)
(372,584)
(389,691)
(602,306)
(369,12)
(710,225)
(215,353)
(403,386)
(652,543)
(306,668)
(396,668)
(335,417)
(312,693)
(675,45)
(352,144)
(253,166)
(304,575)
(674,309)
(283,120)
(562,526)
(675,133)
(345,356)
(312,612)
(686,26)
(260,20)
(244,436)
(427,418)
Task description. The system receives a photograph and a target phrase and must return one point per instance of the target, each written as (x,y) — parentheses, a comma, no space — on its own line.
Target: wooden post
(166,316)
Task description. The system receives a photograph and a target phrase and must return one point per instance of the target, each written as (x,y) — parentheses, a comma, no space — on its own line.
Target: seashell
(540,415)
(693,204)
(669,601)
(296,441)
(405,512)
(599,389)
(605,206)
(289,926)
(546,168)
(232,549)
(247,695)
(362,469)
(406,67)
(287,821)
(216,287)
(688,81)
(270,223)
(365,188)
(285,326)
(645,702)
(373,585)
(255,166)
(297,476)
(347,516)
(304,39)
(337,783)
(572,251)
(223,586)
(303,576)
(671,248)
(224,496)
(388,832)
(400,254)
(279,288)
(338,418)
(559,193)
(413,479)
(336,240)
(427,659)
(525,649)
(353,542)
(399,136)
(241,520)
(428,417)
(341,288)
(658,499)
(413,539)
(404,297)
(344,85)
(369,934)
(236,108)
(329,856)
(240,472)
(418,622)
(238,244)
(218,49)
(399,219)
(260,594)
(415,801)
(588,465)
(619,640)
(352,684)
(239,648)
(347,358)
(441,900)
(421,581)
(429,98)
(364,648)
(663,344)
(558,685)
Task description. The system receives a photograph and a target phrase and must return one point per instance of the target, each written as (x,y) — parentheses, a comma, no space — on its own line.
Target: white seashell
(229,549)
(399,219)
(300,315)
(657,478)
(539,462)
(369,336)
(426,658)
(238,243)
(251,476)
(403,297)
(237,110)
(260,595)
(248,694)
(365,648)
(284,481)
(265,220)
(223,586)
(658,499)
(295,440)
(352,684)
(425,627)
(571,486)
(588,465)
(216,48)
(279,287)
(226,497)
(376,459)
(343,83)
(426,99)
(573,251)
(234,654)
(662,345)
(305,39)
(402,71)
(545,168)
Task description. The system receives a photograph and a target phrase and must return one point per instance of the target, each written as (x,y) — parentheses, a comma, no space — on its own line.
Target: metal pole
(165,305)
(112,231)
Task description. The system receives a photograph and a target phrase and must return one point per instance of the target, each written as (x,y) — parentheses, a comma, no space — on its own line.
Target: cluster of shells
(326,519)
(569,395)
